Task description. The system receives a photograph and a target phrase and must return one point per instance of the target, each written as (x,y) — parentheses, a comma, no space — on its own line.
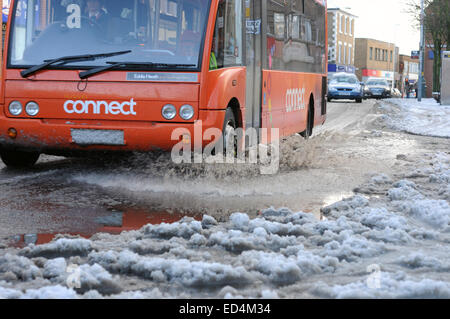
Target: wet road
(82,196)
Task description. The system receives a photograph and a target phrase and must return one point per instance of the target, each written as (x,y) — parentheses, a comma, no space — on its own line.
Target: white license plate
(97,137)
(345,93)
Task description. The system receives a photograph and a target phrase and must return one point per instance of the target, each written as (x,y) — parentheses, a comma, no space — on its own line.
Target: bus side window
(226,50)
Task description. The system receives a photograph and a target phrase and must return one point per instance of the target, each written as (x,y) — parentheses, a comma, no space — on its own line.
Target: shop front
(334,68)
(386,75)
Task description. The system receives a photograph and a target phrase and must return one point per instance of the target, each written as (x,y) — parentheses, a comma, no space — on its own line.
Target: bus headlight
(186,112)
(169,111)
(15,108)
(32,108)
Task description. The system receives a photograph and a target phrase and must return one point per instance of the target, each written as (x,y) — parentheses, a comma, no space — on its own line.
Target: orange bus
(121,75)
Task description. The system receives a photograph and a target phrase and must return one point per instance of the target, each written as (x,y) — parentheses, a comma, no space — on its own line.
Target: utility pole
(394,52)
(422,51)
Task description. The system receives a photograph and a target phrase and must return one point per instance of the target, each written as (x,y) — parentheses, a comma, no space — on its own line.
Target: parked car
(395,93)
(345,86)
(377,88)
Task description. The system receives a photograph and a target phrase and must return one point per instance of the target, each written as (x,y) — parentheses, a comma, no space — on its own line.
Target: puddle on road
(115,223)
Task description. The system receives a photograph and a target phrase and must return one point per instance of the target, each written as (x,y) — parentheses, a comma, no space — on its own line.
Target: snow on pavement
(423,118)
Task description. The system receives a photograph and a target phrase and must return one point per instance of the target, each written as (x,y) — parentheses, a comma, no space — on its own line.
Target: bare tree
(437,30)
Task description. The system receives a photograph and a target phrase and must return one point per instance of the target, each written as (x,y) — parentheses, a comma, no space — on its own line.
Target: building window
(345,53)
(342,23)
(371,53)
(391,56)
(346,25)
(339,23)
(349,55)
(340,53)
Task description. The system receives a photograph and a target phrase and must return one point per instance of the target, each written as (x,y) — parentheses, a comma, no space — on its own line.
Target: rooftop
(343,11)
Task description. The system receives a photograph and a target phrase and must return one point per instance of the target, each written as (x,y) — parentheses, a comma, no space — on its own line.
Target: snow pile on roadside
(181,271)
(387,285)
(424,118)
(268,256)
(406,197)
(84,278)
(61,247)
(14,267)
(419,260)
(50,292)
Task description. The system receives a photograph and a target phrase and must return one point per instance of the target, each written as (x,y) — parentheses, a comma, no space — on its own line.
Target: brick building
(428,69)
(409,70)
(341,41)
(374,58)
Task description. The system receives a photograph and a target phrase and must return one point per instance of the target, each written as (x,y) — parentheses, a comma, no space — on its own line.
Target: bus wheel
(19,159)
(309,125)
(229,125)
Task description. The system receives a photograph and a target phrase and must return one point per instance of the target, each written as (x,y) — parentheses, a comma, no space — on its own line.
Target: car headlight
(186,112)
(15,108)
(169,111)
(32,108)
(332,88)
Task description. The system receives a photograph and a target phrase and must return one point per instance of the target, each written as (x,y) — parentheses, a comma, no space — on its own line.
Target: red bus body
(276,99)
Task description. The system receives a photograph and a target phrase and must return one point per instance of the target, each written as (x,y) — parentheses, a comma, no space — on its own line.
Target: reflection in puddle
(115,223)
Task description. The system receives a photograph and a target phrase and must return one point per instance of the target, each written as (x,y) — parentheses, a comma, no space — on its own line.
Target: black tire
(328,99)
(229,122)
(358,100)
(309,125)
(19,159)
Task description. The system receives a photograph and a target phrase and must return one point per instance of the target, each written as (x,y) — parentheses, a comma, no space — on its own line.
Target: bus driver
(97,13)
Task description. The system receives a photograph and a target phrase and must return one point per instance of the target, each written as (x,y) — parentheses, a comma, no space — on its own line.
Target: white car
(395,93)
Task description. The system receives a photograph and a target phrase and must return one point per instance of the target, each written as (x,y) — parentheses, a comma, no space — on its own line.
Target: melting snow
(424,118)
(272,256)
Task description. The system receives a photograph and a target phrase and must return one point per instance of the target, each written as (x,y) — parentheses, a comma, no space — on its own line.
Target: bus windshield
(166,33)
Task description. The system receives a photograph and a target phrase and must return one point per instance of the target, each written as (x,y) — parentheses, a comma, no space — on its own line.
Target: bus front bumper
(60,136)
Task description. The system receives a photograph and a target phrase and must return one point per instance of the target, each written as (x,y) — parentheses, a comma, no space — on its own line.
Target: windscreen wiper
(118,65)
(69,59)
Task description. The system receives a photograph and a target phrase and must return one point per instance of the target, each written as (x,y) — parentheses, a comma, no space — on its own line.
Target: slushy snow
(392,243)
(279,250)
(421,118)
